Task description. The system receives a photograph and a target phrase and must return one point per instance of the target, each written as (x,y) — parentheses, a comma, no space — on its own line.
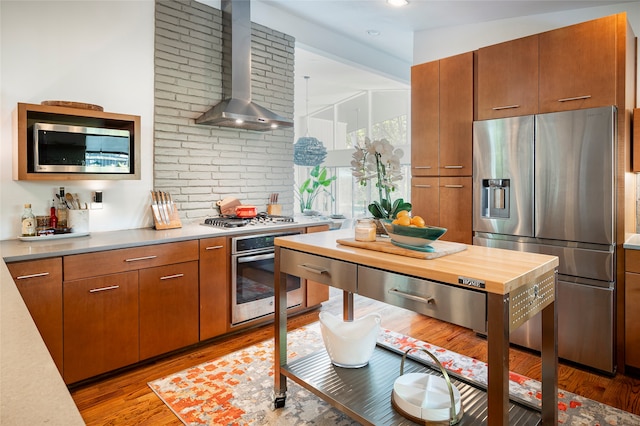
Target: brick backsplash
(200,165)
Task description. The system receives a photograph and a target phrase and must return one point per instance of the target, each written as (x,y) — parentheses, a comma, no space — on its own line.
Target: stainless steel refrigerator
(546,184)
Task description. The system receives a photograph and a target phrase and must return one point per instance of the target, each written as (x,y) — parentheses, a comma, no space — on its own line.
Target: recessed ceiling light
(398,3)
(373,33)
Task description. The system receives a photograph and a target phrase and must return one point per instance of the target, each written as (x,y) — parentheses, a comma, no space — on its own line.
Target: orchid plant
(379,161)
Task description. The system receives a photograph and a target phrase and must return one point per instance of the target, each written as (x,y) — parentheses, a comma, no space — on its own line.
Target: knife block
(164,211)
(174,219)
(274,209)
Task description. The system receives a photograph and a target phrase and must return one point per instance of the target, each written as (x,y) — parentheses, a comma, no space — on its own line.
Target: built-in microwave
(61,148)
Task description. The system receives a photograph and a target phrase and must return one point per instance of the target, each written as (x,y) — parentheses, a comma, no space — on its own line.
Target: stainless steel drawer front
(320,269)
(456,305)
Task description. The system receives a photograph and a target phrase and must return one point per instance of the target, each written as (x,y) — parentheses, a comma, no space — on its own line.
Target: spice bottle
(28,222)
(365,230)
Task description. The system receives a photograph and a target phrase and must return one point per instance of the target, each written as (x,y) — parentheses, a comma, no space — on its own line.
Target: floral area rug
(237,389)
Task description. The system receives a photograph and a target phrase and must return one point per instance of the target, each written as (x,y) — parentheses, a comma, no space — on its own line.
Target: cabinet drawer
(113,261)
(456,305)
(632,260)
(320,269)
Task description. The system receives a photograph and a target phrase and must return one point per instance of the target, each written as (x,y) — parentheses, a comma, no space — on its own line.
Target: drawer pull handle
(421,167)
(213,247)
(168,277)
(428,300)
(315,269)
(111,287)
(24,277)
(453,167)
(135,259)
(454,186)
(505,107)
(422,186)
(577,98)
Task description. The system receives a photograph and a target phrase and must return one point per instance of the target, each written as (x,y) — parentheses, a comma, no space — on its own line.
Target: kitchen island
(512,286)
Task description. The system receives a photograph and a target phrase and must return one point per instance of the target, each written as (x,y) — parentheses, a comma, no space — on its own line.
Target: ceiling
(332,80)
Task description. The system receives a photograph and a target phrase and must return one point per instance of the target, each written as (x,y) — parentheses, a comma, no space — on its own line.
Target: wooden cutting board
(442,248)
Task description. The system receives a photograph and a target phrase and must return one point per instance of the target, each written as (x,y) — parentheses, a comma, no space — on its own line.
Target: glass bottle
(28,222)
(365,230)
(52,213)
(62,210)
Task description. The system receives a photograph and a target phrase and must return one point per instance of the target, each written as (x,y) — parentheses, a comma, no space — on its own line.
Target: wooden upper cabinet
(456,115)
(425,95)
(442,117)
(578,66)
(507,76)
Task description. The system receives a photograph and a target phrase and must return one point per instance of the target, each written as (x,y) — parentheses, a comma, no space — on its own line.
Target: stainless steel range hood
(239,111)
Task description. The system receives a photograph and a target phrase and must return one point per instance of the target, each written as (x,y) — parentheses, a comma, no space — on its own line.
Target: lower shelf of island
(364,394)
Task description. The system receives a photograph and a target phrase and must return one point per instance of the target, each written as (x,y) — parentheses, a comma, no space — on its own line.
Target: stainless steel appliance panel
(503,176)
(435,299)
(585,326)
(574,192)
(594,264)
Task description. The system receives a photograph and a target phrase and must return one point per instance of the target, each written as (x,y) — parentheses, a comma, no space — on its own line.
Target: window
(373,114)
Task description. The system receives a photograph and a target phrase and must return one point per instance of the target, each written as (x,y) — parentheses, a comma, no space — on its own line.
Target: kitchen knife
(163,207)
(154,208)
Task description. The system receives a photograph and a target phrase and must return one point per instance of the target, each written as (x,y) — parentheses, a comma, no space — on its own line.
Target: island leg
(280,330)
(498,354)
(549,355)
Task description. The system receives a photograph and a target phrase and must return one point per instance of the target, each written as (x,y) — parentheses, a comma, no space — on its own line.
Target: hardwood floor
(125,398)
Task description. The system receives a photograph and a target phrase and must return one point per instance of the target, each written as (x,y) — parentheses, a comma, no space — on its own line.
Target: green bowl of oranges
(411,232)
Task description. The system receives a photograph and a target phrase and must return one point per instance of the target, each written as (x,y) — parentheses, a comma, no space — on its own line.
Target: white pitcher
(350,344)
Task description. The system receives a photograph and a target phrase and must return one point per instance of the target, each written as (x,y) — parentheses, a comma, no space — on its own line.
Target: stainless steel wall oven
(252,280)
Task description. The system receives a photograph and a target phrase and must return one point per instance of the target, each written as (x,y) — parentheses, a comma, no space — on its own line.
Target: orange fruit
(402,213)
(404,221)
(417,221)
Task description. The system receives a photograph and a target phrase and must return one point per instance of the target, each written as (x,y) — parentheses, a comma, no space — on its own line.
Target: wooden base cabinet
(168,308)
(631,313)
(40,285)
(100,325)
(445,202)
(215,287)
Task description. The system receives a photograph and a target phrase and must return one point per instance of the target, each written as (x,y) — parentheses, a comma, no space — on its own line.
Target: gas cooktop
(235,222)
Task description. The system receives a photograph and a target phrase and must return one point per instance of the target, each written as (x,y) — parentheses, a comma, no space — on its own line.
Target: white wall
(445,42)
(98,52)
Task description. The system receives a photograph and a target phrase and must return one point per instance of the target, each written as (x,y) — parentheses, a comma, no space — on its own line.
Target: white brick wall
(200,165)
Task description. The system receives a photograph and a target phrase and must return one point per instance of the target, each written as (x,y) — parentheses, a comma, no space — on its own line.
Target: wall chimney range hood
(239,111)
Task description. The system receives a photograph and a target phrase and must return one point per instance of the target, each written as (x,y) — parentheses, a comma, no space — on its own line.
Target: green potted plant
(309,189)
(379,161)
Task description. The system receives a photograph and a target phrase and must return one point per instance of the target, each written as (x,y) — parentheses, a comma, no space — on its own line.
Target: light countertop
(632,242)
(32,391)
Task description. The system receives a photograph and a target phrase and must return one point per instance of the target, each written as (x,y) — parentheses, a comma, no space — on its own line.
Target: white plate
(55,236)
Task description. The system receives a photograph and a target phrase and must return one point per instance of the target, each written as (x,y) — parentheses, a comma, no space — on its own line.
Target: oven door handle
(246,259)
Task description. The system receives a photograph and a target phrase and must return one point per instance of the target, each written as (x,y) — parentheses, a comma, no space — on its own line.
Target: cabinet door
(632,319)
(456,115)
(214,287)
(578,66)
(168,308)
(455,209)
(508,79)
(425,95)
(317,292)
(425,199)
(40,285)
(100,325)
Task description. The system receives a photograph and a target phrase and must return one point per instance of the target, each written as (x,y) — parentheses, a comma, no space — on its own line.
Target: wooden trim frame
(31,113)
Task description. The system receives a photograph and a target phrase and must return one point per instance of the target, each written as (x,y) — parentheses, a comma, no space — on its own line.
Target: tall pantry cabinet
(441,144)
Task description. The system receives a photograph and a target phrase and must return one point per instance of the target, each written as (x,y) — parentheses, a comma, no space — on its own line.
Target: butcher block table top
(501,271)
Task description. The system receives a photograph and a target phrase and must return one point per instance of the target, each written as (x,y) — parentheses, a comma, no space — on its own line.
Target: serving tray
(440,248)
